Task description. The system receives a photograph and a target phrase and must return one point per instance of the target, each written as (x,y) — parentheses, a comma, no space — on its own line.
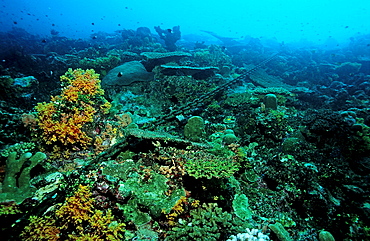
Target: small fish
(94,37)
(15,22)
(43,41)
(92,23)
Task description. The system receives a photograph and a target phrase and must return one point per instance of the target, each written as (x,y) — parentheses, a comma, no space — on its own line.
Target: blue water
(289,21)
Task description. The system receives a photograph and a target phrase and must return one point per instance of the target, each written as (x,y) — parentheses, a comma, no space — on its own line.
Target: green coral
(207,222)
(149,192)
(280,232)
(241,207)
(194,129)
(325,236)
(16,186)
(211,166)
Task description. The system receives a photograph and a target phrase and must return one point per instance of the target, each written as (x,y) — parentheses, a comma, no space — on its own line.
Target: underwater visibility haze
(185,120)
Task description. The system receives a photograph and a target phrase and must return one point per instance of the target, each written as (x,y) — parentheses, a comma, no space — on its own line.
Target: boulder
(126,74)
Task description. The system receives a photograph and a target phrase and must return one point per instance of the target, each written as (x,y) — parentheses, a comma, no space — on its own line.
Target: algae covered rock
(291,145)
(146,198)
(280,231)
(348,68)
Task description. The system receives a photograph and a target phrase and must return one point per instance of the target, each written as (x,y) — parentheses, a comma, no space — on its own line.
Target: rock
(25,81)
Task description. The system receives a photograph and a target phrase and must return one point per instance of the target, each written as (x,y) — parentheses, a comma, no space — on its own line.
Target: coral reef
(230,152)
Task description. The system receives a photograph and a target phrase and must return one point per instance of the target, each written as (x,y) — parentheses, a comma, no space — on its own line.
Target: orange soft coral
(66,119)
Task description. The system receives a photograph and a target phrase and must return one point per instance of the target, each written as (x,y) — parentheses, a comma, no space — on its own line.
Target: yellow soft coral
(68,119)
(176,211)
(77,209)
(79,212)
(80,83)
(76,219)
(68,128)
(40,229)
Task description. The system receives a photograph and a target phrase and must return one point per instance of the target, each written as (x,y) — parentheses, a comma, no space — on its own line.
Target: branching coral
(207,222)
